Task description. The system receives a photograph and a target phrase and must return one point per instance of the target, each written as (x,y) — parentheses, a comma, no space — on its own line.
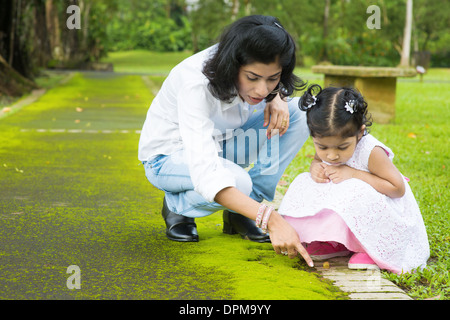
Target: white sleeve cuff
(211,184)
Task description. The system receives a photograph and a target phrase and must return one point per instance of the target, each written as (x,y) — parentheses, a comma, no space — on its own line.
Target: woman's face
(256,80)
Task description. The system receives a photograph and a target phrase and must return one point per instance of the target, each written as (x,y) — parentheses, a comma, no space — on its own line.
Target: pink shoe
(319,251)
(361,260)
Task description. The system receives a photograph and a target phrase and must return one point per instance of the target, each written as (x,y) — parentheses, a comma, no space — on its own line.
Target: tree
(208,18)
(15,30)
(158,25)
(325,30)
(34,35)
(406,47)
(15,58)
(13,83)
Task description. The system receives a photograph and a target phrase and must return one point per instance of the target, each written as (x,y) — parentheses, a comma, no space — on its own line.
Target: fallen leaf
(77,121)
(6,109)
(412,135)
(79,109)
(326,265)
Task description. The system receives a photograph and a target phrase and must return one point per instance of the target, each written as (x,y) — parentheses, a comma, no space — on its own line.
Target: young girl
(354,199)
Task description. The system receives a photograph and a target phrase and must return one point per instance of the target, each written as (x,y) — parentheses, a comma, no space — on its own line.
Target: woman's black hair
(328,111)
(252,39)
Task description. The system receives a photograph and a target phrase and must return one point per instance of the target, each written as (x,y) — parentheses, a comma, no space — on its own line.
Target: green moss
(255,270)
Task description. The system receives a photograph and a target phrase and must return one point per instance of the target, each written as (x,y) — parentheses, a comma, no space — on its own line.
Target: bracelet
(259,215)
(266,219)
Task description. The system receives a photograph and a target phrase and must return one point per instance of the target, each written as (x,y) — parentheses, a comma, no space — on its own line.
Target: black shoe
(234,223)
(178,227)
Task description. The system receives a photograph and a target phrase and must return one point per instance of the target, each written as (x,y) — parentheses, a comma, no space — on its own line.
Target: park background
(148,37)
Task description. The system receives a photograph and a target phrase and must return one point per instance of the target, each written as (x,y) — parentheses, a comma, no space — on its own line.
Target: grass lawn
(141,61)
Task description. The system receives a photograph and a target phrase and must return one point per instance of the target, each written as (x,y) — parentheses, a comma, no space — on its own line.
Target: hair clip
(350,106)
(312,103)
(278,25)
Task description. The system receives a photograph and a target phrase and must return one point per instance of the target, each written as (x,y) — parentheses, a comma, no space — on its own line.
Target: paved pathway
(72,193)
(360,284)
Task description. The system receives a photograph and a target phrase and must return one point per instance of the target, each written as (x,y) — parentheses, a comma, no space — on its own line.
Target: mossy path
(72,192)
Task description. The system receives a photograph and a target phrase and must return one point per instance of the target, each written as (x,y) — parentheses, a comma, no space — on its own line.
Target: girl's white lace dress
(390,231)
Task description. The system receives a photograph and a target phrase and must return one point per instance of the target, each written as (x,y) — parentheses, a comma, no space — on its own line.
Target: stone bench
(377,84)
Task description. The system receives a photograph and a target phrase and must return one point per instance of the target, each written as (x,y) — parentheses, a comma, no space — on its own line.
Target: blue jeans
(249,144)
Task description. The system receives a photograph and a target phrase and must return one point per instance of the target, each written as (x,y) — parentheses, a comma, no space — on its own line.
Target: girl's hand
(285,239)
(317,170)
(276,115)
(340,173)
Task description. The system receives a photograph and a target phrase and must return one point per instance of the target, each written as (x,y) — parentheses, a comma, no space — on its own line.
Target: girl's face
(256,80)
(336,150)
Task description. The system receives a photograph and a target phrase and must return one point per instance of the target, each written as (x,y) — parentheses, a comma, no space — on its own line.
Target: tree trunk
(235,10)
(85,27)
(41,51)
(73,51)
(13,83)
(248,7)
(12,32)
(52,22)
(406,47)
(325,30)
(5,27)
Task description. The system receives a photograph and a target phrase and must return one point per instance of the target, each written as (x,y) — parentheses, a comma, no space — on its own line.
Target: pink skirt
(327,225)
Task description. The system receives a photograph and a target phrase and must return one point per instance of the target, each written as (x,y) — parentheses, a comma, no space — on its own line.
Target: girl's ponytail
(309,97)
(360,107)
(359,104)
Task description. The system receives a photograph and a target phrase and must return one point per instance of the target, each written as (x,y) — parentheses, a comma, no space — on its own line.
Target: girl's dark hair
(327,114)
(252,39)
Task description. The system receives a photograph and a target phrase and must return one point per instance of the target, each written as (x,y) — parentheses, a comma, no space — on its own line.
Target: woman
(217,112)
